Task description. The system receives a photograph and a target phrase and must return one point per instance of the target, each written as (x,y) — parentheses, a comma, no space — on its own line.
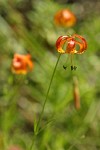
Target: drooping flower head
(71,44)
(74,44)
(65,18)
(21,64)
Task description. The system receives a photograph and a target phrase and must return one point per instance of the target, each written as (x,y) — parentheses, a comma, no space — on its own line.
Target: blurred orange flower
(76,93)
(21,64)
(65,18)
(72,42)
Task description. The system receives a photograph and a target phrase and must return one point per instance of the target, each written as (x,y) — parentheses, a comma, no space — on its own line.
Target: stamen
(65,65)
(73,67)
(72,64)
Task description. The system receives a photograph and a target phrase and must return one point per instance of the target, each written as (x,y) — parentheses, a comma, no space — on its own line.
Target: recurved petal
(59,43)
(82,44)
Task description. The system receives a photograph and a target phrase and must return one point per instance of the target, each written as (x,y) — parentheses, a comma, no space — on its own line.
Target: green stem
(33,139)
(46,98)
(38,124)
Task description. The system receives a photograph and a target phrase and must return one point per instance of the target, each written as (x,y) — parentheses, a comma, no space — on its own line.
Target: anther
(64,67)
(73,67)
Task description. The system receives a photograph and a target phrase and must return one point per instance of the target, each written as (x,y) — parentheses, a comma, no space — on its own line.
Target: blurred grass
(28,26)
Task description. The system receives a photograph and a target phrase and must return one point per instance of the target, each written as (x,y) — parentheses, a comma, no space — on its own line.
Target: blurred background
(27,26)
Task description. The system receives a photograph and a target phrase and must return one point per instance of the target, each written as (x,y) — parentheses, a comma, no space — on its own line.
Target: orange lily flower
(21,64)
(65,18)
(71,45)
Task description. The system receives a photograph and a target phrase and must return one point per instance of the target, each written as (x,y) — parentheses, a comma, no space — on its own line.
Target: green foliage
(28,27)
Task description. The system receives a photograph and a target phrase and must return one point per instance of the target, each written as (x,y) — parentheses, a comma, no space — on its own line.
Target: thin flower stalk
(37,130)
(38,124)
